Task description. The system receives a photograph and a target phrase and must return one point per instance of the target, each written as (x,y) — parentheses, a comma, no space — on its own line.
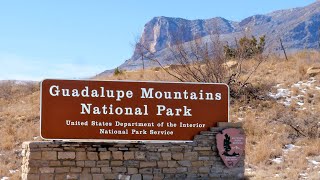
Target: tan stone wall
(48,160)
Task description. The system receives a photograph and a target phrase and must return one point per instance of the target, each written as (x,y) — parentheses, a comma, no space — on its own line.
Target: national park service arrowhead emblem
(230,144)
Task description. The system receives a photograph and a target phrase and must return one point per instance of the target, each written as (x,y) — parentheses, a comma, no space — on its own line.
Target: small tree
(246,48)
(117,72)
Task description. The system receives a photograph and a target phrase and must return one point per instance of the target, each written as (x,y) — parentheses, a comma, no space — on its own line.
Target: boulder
(231,64)
(313,71)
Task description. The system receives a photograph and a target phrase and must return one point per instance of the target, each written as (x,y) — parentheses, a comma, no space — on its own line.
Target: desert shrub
(302,124)
(157,69)
(246,48)
(117,72)
(14,89)
(6,89)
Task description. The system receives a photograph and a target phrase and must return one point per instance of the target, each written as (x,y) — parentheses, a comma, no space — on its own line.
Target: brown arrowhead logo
(230,145)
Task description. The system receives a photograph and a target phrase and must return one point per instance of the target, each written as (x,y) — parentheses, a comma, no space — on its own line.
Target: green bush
(246,48)
(117,72)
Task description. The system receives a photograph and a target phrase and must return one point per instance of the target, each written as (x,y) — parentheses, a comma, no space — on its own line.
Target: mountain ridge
(297,27)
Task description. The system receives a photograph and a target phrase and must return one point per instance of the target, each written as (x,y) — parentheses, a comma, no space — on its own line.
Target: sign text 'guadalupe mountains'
(127,110)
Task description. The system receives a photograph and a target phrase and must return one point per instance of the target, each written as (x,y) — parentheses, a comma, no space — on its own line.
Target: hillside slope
(274,150)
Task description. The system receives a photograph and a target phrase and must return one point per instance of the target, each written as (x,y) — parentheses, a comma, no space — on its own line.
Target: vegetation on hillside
(215,62)
(282,130)
(282,139)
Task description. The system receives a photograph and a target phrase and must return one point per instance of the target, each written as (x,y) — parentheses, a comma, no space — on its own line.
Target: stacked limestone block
(48,160)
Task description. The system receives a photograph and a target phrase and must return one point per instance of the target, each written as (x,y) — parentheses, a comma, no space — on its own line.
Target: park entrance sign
(128,110)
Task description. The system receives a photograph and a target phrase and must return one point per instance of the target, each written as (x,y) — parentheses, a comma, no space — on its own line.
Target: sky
(77,39)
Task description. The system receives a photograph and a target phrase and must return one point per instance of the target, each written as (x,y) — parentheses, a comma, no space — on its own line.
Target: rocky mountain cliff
(298,29)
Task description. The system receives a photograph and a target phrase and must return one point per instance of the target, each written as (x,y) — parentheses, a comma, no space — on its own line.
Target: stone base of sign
(55,160)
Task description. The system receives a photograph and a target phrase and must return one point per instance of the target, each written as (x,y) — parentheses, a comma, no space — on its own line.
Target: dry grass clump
(19,117)
(301,123)
(265,140)
(311,146)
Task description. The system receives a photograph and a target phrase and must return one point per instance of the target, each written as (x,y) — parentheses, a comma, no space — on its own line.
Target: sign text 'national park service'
(127,110)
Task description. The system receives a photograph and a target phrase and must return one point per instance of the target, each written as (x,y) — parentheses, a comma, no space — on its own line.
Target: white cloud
(13,67)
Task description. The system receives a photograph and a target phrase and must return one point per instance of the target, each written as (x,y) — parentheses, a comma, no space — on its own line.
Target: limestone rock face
(161,32)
